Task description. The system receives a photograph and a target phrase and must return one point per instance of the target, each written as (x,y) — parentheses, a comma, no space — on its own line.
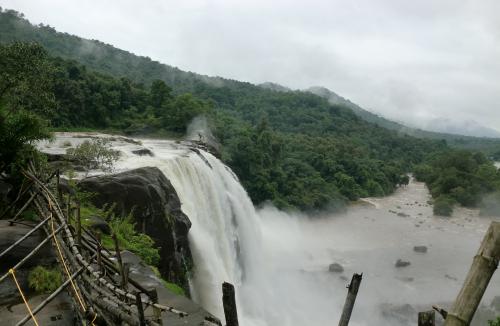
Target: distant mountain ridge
(459,127)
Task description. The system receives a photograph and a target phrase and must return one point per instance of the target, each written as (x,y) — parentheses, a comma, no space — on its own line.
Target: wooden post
(119,258)
(78,225)
(427,318)
(229,304)
(140,309)
(126,269)
(483,266)
(153,295)
(351,298)
(58,186)
(68,209)
(99,257)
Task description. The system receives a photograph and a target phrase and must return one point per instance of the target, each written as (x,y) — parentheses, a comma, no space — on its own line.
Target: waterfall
(225,234)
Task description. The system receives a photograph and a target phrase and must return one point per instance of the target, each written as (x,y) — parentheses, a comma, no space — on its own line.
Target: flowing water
(279,260)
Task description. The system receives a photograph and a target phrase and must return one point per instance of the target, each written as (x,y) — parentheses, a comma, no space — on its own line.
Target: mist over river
(279,260)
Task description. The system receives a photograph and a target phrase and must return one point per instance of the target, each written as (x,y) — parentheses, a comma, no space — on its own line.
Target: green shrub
(44,280)
(128,238)
(443,206)
(494,322)
(94,154)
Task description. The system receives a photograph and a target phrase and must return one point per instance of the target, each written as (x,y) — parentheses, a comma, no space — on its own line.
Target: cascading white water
(279,261)
(225,234)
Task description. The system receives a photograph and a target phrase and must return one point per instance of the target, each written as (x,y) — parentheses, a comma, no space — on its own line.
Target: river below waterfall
(279,260)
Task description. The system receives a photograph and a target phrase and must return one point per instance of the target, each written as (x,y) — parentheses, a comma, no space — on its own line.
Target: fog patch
(199,130)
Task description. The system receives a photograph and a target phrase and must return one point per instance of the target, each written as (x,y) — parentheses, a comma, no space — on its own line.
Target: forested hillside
(292,148)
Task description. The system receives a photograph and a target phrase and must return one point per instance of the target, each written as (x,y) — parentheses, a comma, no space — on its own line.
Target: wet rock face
(143,152)
(156,209)
(335,268)
(420,249)
(402,263)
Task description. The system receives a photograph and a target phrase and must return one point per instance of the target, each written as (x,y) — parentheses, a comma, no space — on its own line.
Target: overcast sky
(408,60)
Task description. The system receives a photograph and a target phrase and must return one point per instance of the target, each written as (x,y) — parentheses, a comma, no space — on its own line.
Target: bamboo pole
(78,225)
(483,266)
(68,208)
(153,294)
(427,318)
(58,185)
(229,304)
(120,262)
(99,257)
(352,292)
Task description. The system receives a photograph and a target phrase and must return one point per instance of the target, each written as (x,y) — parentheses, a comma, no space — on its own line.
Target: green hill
(291,147)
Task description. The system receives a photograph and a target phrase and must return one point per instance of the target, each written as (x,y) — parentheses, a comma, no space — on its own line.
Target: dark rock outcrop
(156,209)
(402,263)
(97,223)
(335,268)
(143,152)
(420,249)
(9,234)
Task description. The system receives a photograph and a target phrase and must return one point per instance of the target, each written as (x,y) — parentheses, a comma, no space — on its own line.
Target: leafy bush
(44,280)
(128,238)
(494,322)
(443,206)
(94,154)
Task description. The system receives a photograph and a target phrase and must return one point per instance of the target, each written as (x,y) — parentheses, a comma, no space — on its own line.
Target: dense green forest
(292,148)
(107,59)
(458,176)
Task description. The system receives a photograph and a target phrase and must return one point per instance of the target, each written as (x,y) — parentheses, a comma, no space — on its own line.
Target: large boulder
(402,263)
(335,268)
(156,209)
(9,234)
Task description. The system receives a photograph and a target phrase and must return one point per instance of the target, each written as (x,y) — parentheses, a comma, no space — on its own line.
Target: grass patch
(44,280)
(128,238)
(171,286)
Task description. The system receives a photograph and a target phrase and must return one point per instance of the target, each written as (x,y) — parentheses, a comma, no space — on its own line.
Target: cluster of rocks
(338,268)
